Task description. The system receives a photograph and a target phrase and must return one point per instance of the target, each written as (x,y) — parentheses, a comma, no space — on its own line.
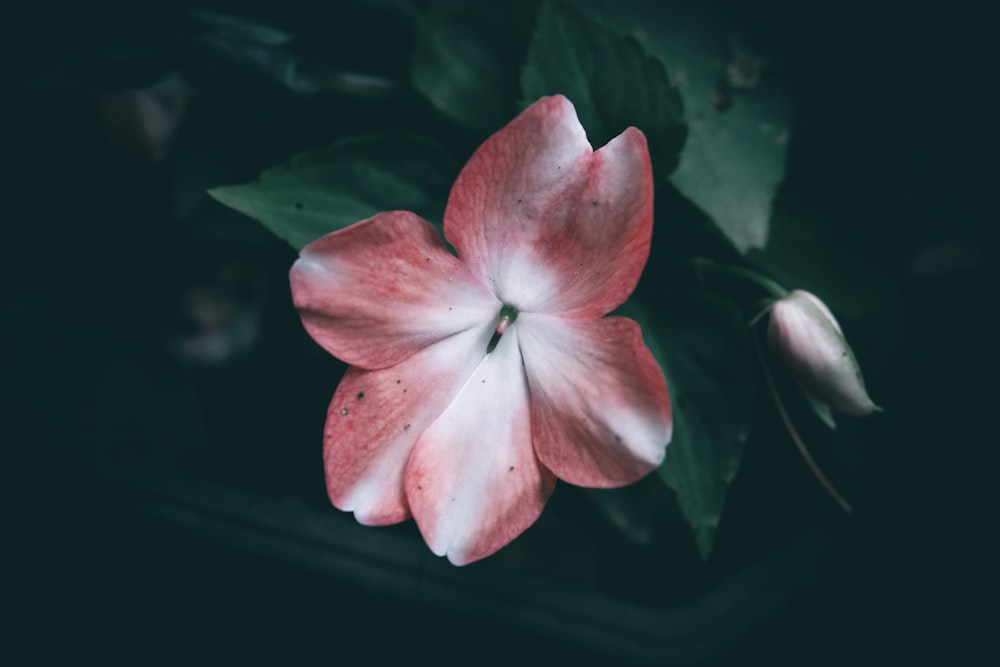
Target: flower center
(507,316)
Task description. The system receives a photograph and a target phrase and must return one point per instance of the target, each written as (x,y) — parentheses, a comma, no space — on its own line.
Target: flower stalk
(794,435)
(704,265)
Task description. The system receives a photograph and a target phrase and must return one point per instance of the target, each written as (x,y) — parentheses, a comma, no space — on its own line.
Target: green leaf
(325,190)
(820,409)
(733,165)
(634,509)
(467,59)
(734,159)
(610,79)
(704,349)
(683,231)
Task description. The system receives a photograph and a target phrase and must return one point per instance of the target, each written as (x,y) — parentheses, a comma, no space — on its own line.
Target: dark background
(891,97)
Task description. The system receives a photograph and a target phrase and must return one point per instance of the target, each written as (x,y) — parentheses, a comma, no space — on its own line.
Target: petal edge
(601,414)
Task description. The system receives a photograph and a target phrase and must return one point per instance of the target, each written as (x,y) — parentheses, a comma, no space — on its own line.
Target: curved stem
(772,287)
(820,477)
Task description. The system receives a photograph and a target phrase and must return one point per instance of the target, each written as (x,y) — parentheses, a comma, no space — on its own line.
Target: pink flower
(477,380)
(805,335)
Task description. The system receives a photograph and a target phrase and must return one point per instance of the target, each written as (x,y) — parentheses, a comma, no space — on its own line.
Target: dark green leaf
(734,158)
(468,57)
(704,349)
(609,78)
(634,509)
(275,54)
(682,231)
(325,190)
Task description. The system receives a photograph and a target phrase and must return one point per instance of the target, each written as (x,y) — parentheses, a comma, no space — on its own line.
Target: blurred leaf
(254,31)
(324,190)
(734,158)
(610,79)
(467,59)
(272,53)
(704,350)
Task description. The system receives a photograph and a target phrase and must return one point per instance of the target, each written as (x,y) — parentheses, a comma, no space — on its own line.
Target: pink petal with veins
(377,292)
(549,224)
(599,404)
(473,481)
(375,418)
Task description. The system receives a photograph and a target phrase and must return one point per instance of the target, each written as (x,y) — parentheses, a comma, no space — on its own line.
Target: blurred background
(161,409)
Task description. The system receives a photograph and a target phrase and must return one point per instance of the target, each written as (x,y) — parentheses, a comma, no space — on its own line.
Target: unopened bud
(804,334)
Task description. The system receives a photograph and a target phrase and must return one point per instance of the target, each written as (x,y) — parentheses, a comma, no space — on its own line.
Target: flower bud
(804,334)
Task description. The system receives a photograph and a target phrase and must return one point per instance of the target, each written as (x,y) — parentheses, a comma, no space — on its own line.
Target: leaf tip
(704,539)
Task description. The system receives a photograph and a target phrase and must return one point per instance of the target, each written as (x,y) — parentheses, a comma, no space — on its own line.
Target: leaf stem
(702,264)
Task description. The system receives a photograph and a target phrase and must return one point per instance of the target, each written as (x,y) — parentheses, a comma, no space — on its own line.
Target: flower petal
(473,481)
(376,292)
(549,224)
(599,404)
(375,418)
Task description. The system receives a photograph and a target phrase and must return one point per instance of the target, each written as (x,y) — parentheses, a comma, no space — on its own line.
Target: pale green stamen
(507,316)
